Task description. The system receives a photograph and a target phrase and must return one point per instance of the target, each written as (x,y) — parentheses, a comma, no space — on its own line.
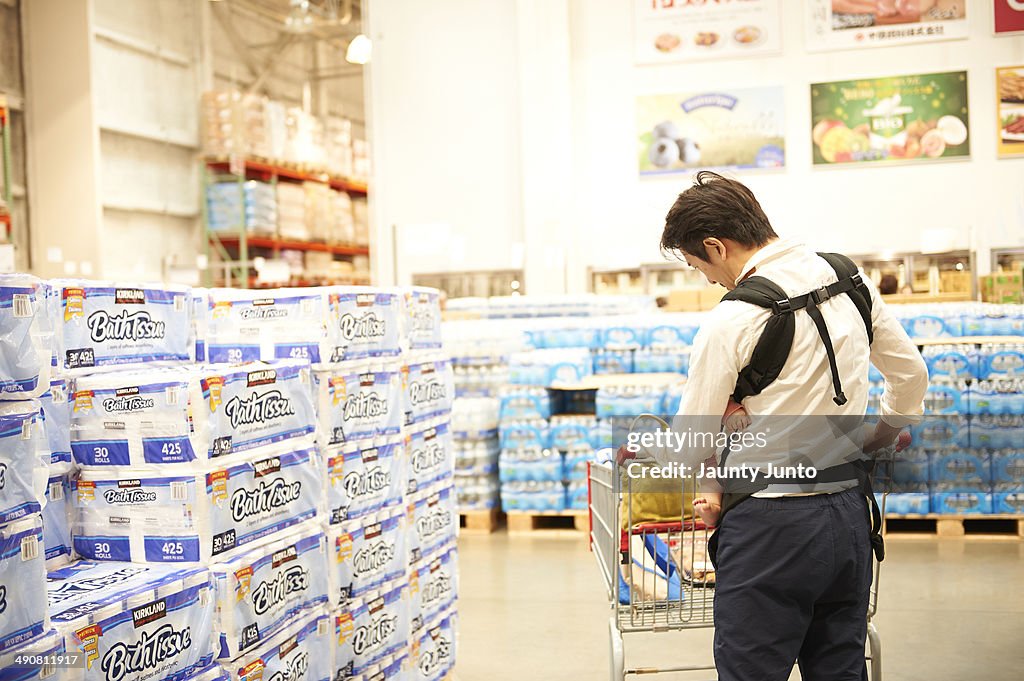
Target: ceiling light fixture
(299,19)
(359,50)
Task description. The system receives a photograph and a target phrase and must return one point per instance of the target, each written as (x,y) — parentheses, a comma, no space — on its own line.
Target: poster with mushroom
(853,24)
(1010,85)
(666,31)
(734,128)
(902,118)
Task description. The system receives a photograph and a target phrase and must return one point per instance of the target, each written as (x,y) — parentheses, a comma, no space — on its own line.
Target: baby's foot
(709,511)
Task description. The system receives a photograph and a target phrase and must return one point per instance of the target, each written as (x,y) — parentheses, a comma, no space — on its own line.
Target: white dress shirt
(726,340)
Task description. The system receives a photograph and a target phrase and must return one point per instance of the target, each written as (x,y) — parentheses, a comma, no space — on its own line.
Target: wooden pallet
(955,525)
(478,522)
(531,521)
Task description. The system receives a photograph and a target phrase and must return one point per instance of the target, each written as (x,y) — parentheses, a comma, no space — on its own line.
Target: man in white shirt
(794,561)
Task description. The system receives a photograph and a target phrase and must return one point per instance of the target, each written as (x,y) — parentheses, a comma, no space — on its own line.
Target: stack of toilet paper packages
(23,611)
(25,337)
(423,318)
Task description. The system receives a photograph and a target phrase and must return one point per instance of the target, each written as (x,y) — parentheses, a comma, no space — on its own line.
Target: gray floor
(532,607)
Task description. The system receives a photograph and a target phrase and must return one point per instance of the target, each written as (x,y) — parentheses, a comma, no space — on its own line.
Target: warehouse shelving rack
(234,248)
(6,192)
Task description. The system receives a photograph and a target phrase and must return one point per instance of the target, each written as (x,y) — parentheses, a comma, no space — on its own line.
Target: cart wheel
(617,659)
(875,649)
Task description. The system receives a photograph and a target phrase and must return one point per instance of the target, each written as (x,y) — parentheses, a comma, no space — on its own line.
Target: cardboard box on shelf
(1002,287)
(711,296)
(693,299)
(955,282)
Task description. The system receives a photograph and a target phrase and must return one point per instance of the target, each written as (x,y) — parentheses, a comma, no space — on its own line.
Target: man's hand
(885,435)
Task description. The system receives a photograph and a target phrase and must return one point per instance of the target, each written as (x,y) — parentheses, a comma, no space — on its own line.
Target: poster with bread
(855,24)
(1010,86)
(921,118)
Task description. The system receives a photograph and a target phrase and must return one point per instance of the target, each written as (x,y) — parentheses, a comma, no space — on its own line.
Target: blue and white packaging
(391,668)
(24,460)
(1008,467)
(89,581)
(214,672)
(431,455)
(57,421)
(366,553)
(429,389)
(57,517)
(364,322)
(371,628)
(914,503)
(246,326)
(913,466)
(101,324)
(1008,502)
(261,591)
(139,631)
(23,612)
(363,477)
(962,466)
(433,654)
(423,318)
(26,337)
(302,651)
(961,503)
(435,522)
(26,662)
(433,585)
(200,321)
(132,515)
(358,401)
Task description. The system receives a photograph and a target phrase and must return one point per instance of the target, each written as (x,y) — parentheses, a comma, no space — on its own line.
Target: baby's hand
(709,511)
(737,421)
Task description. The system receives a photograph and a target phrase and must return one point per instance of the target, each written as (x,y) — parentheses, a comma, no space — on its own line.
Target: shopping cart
(657,574)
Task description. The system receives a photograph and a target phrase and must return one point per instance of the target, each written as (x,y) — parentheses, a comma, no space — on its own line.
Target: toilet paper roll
(245,326)
(429,388)
(300,651)
(261,591)
(423,318)
(101,324)
(142,515)
(363,477)
(23,613)
(182,415)
(433,585)
(24,460)
(434,520)
(365,554)
(358,401)
(370,629)
(25,662)
(57,517)
(25,337)
(364,322)
(57,421)
(160,629)
(433,653)
(431,455)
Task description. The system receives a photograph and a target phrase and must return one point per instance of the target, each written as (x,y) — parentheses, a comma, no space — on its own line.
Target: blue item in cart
(1008,467)
(961,503)
(970,466)
(1008,502)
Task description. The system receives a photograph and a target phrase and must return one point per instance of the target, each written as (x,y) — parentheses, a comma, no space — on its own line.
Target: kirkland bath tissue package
(24,460)
(429,389)
(433,654)
(137,630)
(200,321)
(57,421)
(364,322)
(363,477)
(367,553)
(301,652)
(128,514)
(99,324)
(260,591)
(370,629)
(423,318)
(57,517)
(431,455)
(433,585)
(26,663)
(358,401)
(23,613)
(245,326)
(435,522)
(26,337)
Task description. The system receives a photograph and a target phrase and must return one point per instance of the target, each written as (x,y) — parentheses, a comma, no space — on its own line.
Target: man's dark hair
(717,207)
(888,285)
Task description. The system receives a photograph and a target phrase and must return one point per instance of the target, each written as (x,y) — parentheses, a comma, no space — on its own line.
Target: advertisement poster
(846,24)
(723,128)
(666,31)
(902,118)
(1009,16)
(1010,85)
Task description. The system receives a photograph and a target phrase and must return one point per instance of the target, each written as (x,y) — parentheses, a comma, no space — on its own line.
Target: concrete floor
(533,607)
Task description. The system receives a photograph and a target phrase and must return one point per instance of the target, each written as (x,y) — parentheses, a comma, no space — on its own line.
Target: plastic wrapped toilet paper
(364,322)
(138,630)
(101,324)
(212,673)
(358,401)
(432,585)
(57,517)
(15,667)
(434,522)
(433,654)
(260,591)
(301,652)
(370,629)
(431,455)
(200,321)
(423,318)
(23,460)
(25,337)
(23,613)
(363,477)
(180,415)
(246,326)
(57,421)
(89,581)
(131,514)
(429,389)
(391,668)
(366,553)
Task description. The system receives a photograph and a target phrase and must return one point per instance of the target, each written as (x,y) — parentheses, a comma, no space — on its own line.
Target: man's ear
(713,245)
